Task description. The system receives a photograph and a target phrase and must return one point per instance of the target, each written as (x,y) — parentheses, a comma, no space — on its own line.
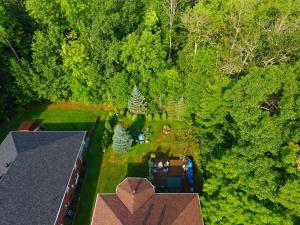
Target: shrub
(106,140)
(156,117)
(134,118)
(121,112)
(149,117)
(164,116)
(129,115)
(111,114)
(107,125)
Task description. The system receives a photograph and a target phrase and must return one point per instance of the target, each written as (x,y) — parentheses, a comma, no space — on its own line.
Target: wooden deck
(173,170)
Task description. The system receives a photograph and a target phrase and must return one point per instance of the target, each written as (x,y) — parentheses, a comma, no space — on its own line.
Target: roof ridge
(148,215)
(162,215)
(108,206)
(187,205)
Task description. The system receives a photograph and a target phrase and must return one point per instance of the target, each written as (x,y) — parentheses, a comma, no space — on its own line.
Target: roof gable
(134,192)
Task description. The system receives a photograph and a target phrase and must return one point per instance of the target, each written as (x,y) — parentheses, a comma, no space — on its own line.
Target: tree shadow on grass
(67,126)
(32,111)
(137,127)
(88,193)
(142,169)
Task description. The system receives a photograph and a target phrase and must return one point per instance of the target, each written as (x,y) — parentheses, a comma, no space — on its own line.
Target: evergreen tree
(171,107)
(180,108)
(122,140)
(137,103)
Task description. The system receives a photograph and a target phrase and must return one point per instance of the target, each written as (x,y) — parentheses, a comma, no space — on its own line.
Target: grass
(116,166)
(56,116)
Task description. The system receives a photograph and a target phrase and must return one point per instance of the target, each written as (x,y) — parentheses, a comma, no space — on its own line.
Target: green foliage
(50,81)
(107,125)
(244,147)
(119,89)
(143,56)
(122,140)
(156,117)
(164,116)
(106,139)
(134,117)
(128,115)
(121,112)
(149,117)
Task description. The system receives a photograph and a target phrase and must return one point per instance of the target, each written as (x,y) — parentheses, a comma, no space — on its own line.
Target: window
(76,179)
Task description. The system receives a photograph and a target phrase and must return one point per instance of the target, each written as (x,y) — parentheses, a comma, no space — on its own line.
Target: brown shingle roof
(136,203)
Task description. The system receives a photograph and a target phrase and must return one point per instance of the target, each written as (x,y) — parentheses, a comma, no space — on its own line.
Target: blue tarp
(190,176)
(189,172)
(189,163)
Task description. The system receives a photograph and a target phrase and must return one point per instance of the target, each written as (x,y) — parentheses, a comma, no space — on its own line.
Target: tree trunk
(173,6)
(195,48)
(12,48)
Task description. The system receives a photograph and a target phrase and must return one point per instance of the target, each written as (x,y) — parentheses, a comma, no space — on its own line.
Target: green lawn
(105,170)
(63,116)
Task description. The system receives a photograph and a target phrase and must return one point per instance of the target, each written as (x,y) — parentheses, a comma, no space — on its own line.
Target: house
(38,175)
(135,202)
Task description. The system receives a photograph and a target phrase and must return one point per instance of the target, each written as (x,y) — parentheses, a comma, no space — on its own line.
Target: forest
(233,67)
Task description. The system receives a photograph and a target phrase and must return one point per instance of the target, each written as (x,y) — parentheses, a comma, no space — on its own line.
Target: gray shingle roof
(32,189)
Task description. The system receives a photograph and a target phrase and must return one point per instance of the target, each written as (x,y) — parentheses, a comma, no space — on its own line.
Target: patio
(169,175)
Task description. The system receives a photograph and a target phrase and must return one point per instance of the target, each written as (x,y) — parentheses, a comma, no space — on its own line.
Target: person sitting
(160,165)
(167,164)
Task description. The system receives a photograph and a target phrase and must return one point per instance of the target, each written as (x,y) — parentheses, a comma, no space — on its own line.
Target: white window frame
(76,179)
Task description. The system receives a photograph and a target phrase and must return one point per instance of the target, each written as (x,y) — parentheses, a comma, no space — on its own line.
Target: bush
(107,125)
(164,116)
(134,118)
(149,117)
(156,117)
(129,115)
(106,140)
(121,112)
(111,114)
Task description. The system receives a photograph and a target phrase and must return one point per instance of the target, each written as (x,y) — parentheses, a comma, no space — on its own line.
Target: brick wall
(69,193)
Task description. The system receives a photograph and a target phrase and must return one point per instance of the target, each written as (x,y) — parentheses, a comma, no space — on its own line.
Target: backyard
(105,170)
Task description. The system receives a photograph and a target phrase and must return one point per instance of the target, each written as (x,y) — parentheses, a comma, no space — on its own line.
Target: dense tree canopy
(230,68)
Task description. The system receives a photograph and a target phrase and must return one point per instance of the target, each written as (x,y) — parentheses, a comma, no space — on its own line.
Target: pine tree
(171,107)
(122,140)
(137,103)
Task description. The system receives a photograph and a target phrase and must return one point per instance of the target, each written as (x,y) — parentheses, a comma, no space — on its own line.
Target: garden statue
(166,129)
